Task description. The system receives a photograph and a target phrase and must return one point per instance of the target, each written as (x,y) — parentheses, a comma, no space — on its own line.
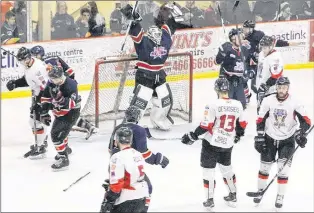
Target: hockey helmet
(222,85)
(55,72)
(266,41)
(233,32)
(132,114)
(124,135)
(154,33)
(283,81)
(249,24)
(23,53)
(38,50)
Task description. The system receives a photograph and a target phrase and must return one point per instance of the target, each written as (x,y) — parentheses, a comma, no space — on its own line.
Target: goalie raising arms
(152,50)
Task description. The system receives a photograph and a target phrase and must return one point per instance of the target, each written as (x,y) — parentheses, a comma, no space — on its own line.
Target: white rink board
(31,186)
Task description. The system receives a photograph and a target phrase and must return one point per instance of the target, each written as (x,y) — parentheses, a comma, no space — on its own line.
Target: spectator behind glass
(82,23)
(62,24)
(5,7)
(97,24)
(116,19)
(21,19)
(211,15)
(265,10)
(193,14)
(243,12)
(308,9)
(285,14)
(9,31)
(149,11)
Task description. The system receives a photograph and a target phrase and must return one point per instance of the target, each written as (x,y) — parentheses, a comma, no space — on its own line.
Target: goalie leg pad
(142,95)
(162,106)
(209,182)
(40,130)
(228,177)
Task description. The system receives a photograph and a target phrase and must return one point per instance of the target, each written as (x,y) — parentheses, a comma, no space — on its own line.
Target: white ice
(31,186)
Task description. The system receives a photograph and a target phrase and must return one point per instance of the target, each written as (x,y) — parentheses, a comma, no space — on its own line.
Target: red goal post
(113,85)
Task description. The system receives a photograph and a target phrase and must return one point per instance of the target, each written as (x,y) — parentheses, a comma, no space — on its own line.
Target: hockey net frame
(127,59)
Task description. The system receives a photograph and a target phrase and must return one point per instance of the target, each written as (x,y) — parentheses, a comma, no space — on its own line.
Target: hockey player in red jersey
(152,50)
(223,126)
(277,132)
(128,188)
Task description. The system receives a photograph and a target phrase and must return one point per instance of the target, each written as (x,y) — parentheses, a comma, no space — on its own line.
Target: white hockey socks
(263,174)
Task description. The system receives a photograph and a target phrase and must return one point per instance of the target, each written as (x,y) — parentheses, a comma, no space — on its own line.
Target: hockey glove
(189,138)
(300,138)
(127,12)
(237,139)
(106,185)
(11,85)
(249,73)
(260,144)
(162,160)
(45,118)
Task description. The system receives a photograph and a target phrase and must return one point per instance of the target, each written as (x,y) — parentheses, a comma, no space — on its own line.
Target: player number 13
(227,122)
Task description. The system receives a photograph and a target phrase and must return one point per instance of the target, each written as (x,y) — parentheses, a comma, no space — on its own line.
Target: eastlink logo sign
(8,60)
(291,35)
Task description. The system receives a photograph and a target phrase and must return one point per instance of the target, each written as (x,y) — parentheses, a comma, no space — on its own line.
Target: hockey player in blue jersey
(39,52)
(152,50)
(132,116)
(61,96)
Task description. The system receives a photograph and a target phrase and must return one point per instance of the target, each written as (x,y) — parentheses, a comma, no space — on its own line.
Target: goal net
(114,81)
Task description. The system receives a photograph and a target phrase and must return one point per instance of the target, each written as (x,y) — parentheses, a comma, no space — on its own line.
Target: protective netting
(113,85)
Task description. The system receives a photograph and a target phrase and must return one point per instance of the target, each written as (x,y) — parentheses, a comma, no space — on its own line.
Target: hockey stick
(66,189)
(7,52)
(129,26)
(27,154)
(261,193)
(222,22)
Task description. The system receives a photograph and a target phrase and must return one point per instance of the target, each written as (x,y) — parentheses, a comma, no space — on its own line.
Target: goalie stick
(261,193)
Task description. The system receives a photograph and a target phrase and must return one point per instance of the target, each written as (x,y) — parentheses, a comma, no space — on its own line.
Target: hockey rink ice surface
(31,186)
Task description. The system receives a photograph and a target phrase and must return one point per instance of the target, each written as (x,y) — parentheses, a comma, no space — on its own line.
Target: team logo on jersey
(280,117)
(158,52)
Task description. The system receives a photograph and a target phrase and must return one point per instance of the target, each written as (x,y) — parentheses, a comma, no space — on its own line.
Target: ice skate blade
(61,169)
(209,209)
(277,209)
(231,204)
(37,157)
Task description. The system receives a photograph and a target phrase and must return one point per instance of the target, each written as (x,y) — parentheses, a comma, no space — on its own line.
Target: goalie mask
(154,33)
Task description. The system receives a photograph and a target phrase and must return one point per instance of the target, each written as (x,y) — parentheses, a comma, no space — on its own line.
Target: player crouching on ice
(277,132)
(152,50)
(60,96)
(128,188)
(39,52)
(35,76)
(223,126)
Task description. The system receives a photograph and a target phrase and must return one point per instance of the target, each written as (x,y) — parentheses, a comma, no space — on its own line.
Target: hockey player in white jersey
(128,188)
(277,132)
(270,68)
(223,125)
(35,77)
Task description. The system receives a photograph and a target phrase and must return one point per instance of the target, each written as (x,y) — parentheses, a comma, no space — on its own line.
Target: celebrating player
(270,68)
(35,77)
(224,125)
(254,37)
(128,188)
(277,131)
(232,66)
(62,97)
(39,52)
(152,50)
(132,115)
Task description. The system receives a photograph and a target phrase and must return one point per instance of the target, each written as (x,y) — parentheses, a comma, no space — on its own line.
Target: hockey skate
(279,202)
(258,199)
(231,199)
(90,130)
(209,204)
(37,152)
(61,164)
(68,150)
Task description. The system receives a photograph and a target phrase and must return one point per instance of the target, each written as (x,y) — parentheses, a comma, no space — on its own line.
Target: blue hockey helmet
(124,135)
(38,50)
(283,81)
(132,114)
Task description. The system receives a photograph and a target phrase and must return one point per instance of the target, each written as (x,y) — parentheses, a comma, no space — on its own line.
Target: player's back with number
(128,175)
(223,115)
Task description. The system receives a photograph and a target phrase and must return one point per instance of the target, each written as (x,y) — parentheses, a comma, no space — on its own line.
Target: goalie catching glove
(127,11)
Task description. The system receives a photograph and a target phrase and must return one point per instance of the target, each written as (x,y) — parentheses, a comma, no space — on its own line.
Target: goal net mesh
(114,81)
